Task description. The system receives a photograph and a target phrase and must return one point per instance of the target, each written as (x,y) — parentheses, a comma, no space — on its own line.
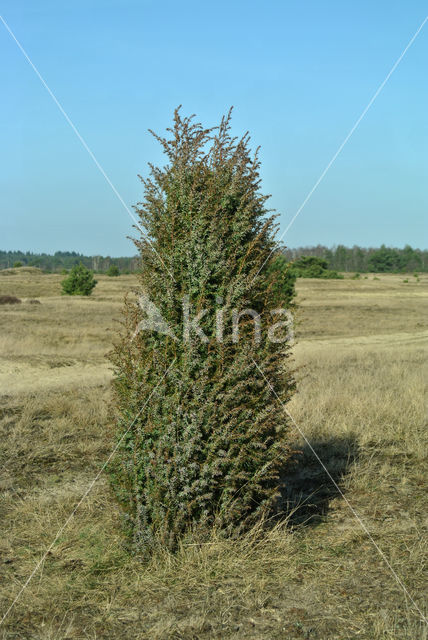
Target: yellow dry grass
(362,404)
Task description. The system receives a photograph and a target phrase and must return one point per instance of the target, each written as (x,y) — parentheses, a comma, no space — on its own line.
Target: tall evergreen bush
(201,437)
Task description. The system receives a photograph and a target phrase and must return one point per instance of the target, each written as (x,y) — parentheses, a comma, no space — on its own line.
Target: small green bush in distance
(113,271)
(313,267)
(17,264)
(202,440)
(80,282)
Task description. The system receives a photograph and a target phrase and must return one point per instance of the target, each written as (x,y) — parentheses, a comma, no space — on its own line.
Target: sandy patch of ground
(35,375)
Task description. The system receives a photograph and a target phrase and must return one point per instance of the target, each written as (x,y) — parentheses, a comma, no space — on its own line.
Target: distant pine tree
(80,282)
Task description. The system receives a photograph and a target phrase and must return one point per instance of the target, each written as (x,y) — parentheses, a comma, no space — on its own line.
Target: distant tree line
(362,260)
(66,260)
(340,258)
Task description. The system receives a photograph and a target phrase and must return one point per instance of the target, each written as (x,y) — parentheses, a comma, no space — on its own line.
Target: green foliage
(363,260)
(61,260)
(64,272)
(356,276)
(113,270)
(17,264)
(384,260)
(393,260)
(283,282)
(339,258)
(313,267)
(201,438)
(80,282)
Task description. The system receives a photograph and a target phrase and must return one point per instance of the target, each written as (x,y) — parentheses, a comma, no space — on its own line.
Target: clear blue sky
(298,74)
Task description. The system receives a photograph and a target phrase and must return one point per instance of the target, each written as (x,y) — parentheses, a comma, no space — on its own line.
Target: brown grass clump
(316,575)
(9,300)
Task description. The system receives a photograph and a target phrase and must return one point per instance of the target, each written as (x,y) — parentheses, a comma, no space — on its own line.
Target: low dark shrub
(313,267)
(9,300)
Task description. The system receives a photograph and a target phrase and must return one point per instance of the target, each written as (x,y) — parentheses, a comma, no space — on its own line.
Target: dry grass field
(362,404)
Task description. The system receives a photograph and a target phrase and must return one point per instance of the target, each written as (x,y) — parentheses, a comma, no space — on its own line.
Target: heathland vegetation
(361,366)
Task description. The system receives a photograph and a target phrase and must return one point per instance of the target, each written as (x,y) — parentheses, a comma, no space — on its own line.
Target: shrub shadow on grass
(306,488)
